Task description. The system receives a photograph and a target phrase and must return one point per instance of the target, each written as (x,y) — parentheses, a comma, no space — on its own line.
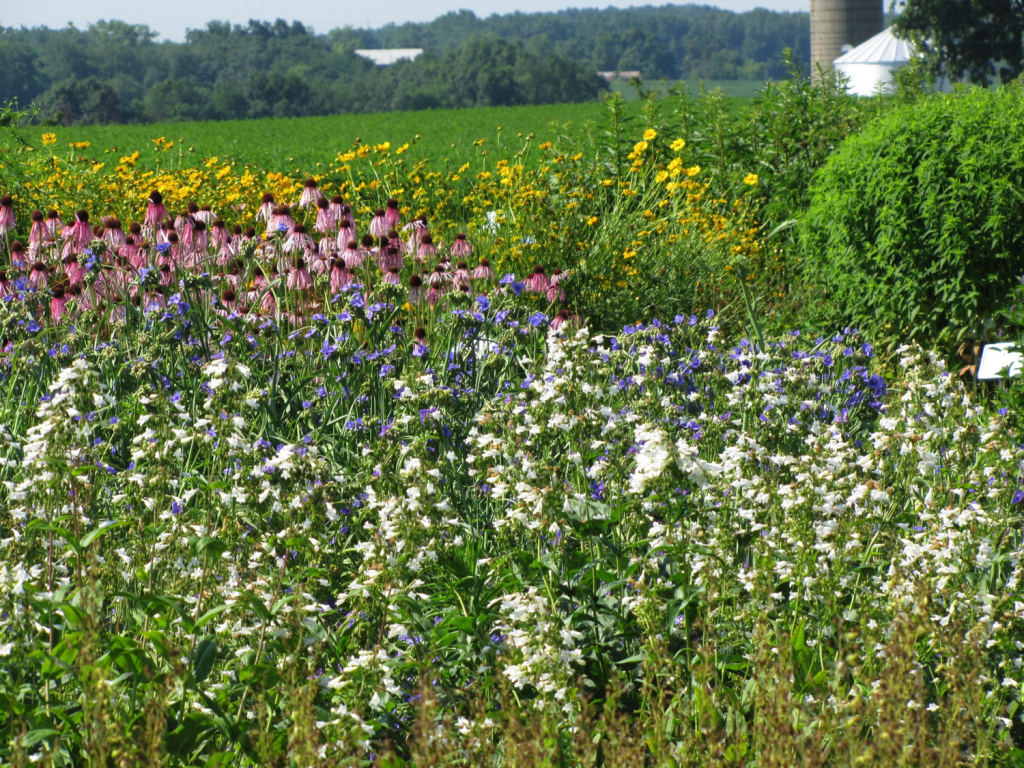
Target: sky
(171,19)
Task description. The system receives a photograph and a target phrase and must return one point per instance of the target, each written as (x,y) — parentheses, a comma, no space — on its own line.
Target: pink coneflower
(298,240)
(58,302)
(234,277)
(560,319)
(200,241)
(53,224)
(336,207)
(166,276)
(156,211)
(346,232)
(392,277)
(427,248)
(74,271)
(538,281)
(136,256)
(434,294)
(379,225)
(324,218)
(461,246)
(391,214)
(340,276)
(483,271)
(299,278)
(7,222)
(250,233)
(437,277)
(415,289)
(417,229)
(461,277)
(227,300)
(395,241)
(310,194)
(205,214)
(319,264)
(81,232)
(184,225)
(266,211)
(391,258)
(347,215)
(5,285)
(219,234)
(37,277)
(18,257)
(113,234)
(281,220)
(328,247)
(353,255)
(38,232)
(555,293)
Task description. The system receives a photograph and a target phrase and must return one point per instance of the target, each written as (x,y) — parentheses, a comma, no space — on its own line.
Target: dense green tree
(982,39)
(79,102)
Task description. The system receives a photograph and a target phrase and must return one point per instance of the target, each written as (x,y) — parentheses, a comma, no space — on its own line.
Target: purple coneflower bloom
(379,224)
(483,271)
(461,246)
(310,194)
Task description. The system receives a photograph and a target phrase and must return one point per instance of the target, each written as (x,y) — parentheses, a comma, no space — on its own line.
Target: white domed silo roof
(883,48)
(871,65)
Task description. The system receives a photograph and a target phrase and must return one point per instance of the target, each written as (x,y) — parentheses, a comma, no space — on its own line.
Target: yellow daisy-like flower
(49,139)
(640,146)
(592,220)
(79,144)
(750,178)
(693,170)
(650,134)
(678,144)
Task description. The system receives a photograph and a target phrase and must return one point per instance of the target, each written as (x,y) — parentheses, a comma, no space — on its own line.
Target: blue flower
(483,302)
(538,319)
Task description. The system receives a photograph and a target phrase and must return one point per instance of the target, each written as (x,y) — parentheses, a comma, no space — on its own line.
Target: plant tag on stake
(997,358)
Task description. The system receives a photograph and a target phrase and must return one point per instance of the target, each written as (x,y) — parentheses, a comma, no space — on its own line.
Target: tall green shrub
(916,225)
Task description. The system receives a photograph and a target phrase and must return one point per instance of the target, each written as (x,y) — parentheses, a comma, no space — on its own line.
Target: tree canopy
(982,39)
(118,72)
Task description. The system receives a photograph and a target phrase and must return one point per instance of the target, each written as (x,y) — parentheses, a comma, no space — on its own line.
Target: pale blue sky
(171,19)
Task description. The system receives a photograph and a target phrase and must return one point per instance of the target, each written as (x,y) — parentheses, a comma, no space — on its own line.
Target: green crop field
(300,144)
(293,144)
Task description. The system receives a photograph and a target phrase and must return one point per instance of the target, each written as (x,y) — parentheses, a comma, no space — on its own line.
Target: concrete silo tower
(838,23)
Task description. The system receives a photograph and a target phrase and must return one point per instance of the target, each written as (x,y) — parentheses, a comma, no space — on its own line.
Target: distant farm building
(382,57)
(609,76)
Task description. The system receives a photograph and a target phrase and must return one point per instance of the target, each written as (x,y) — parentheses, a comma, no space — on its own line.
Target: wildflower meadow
(524,460)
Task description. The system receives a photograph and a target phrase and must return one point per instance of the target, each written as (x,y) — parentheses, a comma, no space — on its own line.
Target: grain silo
(840,25)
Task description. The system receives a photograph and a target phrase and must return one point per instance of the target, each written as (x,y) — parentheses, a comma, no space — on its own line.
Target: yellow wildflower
(79,144)
(693,170)
(49,139)
(750,178)
(639,147)
(592,220)
(650,134)
(678,144)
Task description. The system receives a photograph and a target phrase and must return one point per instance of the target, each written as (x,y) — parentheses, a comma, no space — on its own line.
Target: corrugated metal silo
(839,23)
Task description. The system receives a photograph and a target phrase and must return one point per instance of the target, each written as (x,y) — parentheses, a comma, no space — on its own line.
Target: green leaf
(203,658)
(213,612)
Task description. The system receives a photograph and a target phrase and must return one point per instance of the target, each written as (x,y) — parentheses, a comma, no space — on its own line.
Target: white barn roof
(382,57)
(883,48)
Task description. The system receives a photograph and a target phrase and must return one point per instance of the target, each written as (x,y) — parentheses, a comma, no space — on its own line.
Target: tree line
(115,72)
